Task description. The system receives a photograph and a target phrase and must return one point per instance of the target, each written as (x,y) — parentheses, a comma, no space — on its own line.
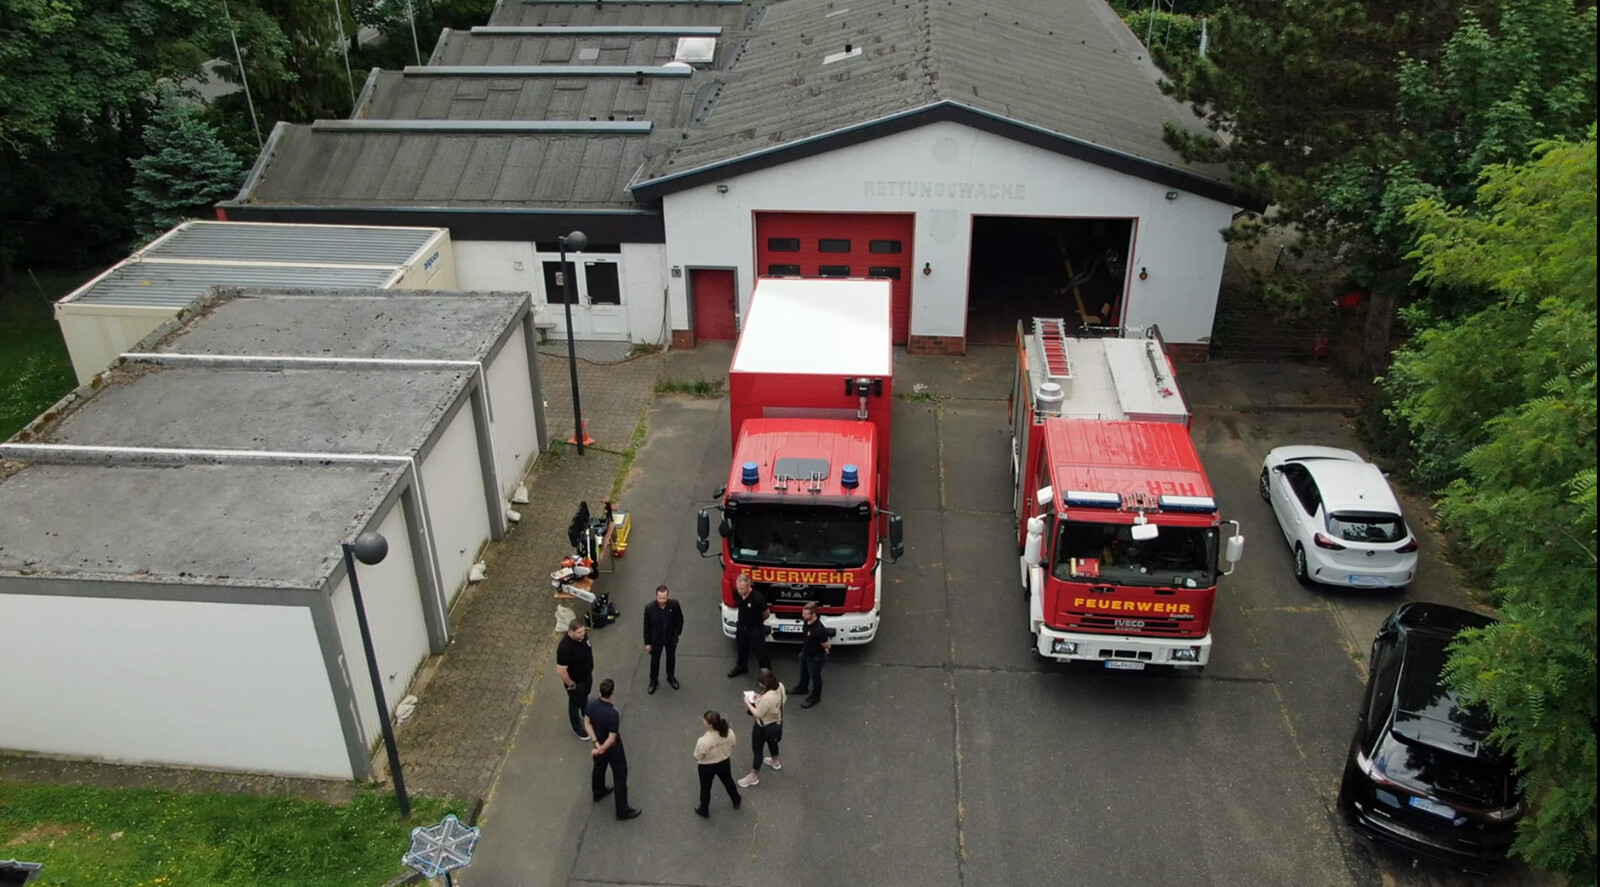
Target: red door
(715,308)
(841,245)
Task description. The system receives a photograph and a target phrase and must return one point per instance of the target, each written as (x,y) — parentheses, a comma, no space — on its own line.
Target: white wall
(496,265)
(644,292)
(434,268)
(218,686)
(513,266)
(927,171)
(511,394)
(453,484)
(394,615)
(96,335)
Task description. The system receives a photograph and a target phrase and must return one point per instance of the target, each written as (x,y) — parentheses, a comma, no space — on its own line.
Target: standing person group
(598,722)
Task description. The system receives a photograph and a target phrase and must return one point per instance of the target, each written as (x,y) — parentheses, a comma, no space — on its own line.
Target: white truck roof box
(832,326)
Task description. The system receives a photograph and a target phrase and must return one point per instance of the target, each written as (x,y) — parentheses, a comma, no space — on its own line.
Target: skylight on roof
(850,52)
(696,50)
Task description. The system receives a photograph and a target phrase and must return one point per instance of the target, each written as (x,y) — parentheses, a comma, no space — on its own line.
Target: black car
(1421,775)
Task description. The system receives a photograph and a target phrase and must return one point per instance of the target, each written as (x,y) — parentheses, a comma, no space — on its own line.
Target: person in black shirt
(663,622)
(604,726)
(814,647)
(750,634)
(575,666)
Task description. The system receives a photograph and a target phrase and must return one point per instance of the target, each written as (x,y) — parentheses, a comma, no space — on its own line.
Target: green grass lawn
(35,371)
(98,837)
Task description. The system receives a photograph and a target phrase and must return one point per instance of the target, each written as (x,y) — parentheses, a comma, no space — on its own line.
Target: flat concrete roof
(247,525)
(383,411)
(387,324)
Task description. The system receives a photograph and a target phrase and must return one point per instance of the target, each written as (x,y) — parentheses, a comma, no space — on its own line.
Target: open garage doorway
(1027,266)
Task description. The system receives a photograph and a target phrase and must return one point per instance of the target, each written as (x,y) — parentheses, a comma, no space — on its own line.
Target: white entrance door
(596,287)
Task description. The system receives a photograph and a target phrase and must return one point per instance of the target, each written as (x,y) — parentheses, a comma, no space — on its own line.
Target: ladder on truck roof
(1050,337)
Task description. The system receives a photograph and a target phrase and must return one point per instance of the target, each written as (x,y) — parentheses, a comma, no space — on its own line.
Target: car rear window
(1356,526)
(1453,777)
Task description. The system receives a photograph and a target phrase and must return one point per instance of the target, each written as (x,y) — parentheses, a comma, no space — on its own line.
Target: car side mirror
(897,541)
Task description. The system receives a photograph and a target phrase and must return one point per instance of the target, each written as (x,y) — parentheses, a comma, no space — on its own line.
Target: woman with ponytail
(713,752)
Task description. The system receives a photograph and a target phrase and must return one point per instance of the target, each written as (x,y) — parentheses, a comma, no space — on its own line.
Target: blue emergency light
(849,477)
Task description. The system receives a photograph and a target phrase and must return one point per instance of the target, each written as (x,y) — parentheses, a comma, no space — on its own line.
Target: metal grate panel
(312,244)
(168,285)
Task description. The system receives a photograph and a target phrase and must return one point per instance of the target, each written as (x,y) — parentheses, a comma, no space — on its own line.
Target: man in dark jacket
(663,622)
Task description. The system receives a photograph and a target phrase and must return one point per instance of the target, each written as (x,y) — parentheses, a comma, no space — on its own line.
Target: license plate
(1125,664)
(788,629)
(1366,581)
(1434,807)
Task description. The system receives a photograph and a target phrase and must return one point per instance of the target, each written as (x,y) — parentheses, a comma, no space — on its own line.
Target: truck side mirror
(720,492)
(1235,548)
(702,526)
(1033,544)
(897,537)
(725,528)
(1044,496)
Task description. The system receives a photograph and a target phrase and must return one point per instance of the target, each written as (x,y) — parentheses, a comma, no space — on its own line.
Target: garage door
(840,245)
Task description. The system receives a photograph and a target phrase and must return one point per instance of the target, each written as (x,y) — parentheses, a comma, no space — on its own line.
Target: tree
(1506,396)
(75,81)
(393,20)
(1342,114)
(185,170)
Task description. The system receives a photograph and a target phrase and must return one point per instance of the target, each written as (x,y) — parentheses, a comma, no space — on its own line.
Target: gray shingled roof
(495,48)
(338,167)
(419,95)
(1066,67)
(728,15)
(1063,74)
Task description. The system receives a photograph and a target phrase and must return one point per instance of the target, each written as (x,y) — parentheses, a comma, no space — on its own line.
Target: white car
(1340,518)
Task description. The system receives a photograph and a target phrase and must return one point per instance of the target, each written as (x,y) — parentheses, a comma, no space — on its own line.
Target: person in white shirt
(767,712)
(712,752)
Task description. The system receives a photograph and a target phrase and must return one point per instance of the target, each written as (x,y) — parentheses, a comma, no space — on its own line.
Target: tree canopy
(1341,114)
(1505,398)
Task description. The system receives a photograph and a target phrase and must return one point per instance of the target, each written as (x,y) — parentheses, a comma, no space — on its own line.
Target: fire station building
(994,160)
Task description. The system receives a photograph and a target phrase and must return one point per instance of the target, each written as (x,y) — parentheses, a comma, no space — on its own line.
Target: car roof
(1297,453)
(1350,485)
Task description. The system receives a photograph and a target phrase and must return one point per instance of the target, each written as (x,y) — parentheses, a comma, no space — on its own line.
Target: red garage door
(840,245)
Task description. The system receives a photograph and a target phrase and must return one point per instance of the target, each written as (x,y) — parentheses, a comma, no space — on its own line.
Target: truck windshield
(800,535)
(1180,557)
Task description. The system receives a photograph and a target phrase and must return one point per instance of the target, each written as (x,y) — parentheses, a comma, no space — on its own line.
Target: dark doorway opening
(1024,267)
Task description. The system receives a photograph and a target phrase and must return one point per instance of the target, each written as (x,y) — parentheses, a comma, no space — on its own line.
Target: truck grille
(794,595)
(1123,625)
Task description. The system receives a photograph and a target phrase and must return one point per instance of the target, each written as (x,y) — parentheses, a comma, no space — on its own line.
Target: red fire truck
(1117,523)
(803,512)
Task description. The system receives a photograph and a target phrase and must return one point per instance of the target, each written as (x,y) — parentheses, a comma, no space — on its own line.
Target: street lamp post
(578,242)
(370,549)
